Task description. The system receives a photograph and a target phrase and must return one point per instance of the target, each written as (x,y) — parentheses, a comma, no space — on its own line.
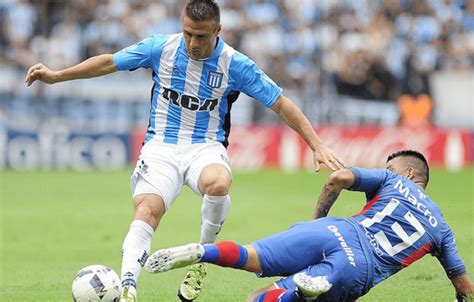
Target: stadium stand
(369,50)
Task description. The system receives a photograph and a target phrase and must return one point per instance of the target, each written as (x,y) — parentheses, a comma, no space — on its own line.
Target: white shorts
(163,169)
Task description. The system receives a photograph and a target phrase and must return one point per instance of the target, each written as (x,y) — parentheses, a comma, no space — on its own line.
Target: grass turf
(54,223)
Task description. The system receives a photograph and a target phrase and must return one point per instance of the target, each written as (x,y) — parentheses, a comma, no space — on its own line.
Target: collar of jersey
(216,53)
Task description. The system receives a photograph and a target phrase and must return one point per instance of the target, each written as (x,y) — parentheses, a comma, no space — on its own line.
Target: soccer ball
(96,283)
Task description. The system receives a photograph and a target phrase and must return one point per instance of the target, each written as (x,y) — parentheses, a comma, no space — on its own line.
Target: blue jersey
(191,99)
(402,224)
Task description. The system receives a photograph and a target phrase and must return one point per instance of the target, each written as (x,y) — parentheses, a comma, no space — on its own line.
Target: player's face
(200,37)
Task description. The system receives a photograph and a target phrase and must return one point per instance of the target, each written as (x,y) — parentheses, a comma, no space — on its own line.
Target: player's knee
(144,211)
(216,185)
(217,188)
(148,209)
(215,181)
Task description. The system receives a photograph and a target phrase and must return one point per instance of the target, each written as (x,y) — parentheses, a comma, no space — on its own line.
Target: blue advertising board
(63,148)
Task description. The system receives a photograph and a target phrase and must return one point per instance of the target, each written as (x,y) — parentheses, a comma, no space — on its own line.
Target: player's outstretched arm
(464,288)
(294,118)
(92,67)
(338,180)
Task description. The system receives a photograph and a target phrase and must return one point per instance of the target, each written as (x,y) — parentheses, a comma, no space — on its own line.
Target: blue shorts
(322,247)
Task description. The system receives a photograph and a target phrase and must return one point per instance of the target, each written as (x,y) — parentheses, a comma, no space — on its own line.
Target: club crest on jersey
(214,79)
(176,71)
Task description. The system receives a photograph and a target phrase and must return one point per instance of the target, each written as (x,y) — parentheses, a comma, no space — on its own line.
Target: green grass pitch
(54,223)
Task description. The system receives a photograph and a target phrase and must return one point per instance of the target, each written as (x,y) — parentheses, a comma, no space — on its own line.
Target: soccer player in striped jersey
(197,77)
(335,259)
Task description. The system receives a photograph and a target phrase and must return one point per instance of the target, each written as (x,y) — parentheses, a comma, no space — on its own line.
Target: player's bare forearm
(92,67)
(339,180)
(464,288)
(294,118)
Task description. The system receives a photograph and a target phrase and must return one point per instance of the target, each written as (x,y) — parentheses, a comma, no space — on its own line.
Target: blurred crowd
(367,49)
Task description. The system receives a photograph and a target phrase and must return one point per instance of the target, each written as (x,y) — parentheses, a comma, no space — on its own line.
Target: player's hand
(326,156)
(41,73)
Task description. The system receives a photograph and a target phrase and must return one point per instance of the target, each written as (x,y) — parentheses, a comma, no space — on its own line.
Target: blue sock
(211,253)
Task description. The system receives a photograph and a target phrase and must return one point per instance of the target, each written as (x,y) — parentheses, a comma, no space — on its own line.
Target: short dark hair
(203,10)
(423,167)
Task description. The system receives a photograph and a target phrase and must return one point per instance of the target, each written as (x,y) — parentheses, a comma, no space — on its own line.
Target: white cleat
(175,257)
(309,287)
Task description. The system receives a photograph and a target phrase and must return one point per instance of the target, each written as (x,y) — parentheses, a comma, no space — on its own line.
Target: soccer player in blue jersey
(197,77)
(335,259)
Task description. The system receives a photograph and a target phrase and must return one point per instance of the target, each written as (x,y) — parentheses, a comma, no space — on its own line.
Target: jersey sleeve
(368,180)
(253,81)
(135,56)
(448,256)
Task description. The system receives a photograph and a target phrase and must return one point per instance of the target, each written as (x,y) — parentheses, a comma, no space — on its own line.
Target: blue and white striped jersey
(191,100)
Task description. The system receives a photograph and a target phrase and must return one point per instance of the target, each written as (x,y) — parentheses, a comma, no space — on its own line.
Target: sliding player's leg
(327,242)
(225,254)
(299,287)
(342,274)
(282,254)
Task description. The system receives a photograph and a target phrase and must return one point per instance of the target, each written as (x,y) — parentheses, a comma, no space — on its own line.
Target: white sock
(135,251)
(213,212)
